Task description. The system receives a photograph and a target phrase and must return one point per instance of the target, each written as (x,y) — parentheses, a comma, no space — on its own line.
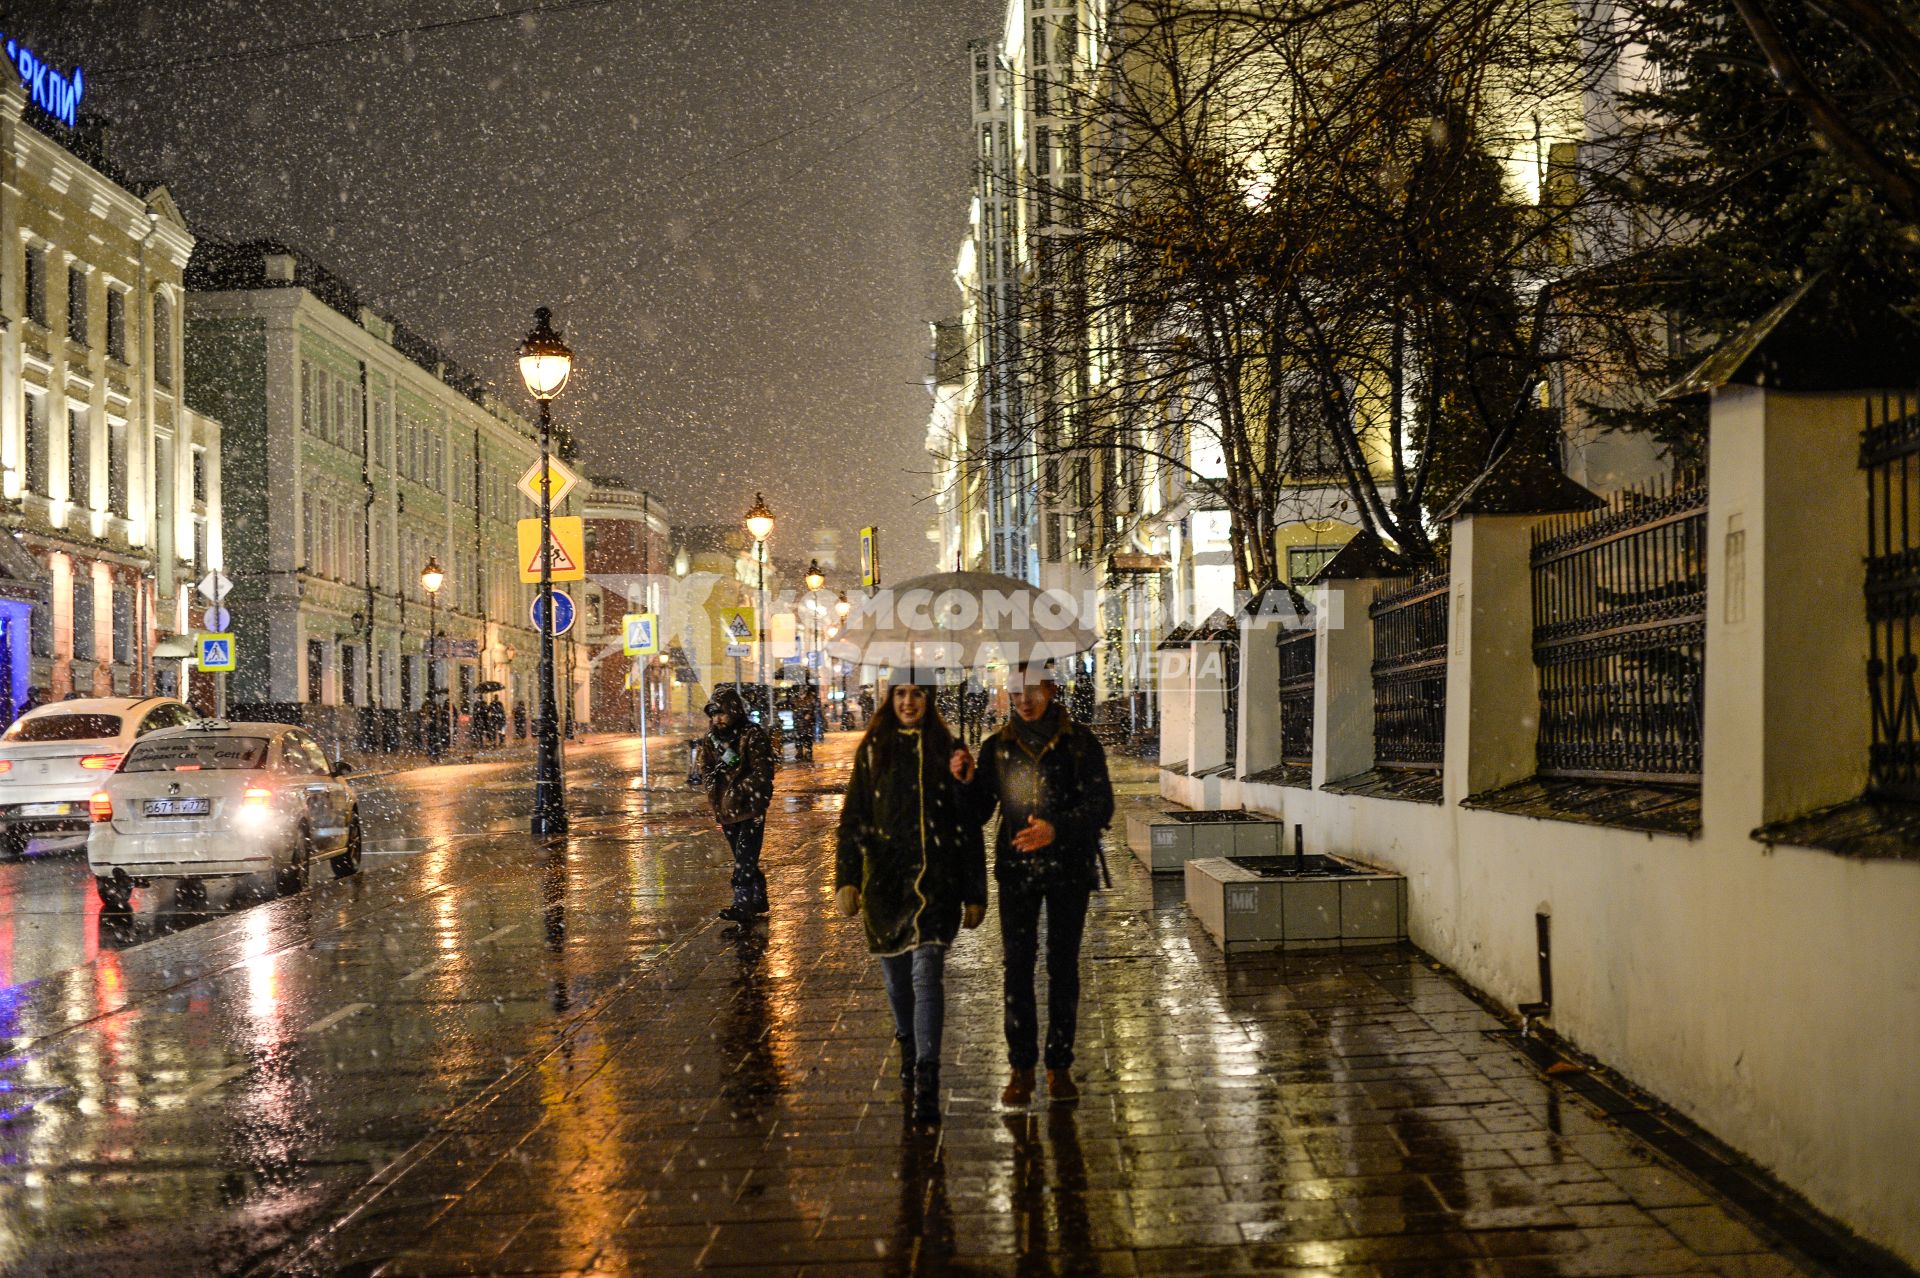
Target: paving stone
(621,1086)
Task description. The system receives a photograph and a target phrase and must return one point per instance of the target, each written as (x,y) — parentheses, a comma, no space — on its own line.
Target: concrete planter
(1259,904)
(1166,840)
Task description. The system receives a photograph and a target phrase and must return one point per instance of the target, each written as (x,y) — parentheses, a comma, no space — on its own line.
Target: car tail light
(6,765)
(254,803)
(257,796)
(100,806)
(102,762)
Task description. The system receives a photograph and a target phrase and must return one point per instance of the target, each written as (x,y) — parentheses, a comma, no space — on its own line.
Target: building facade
(112,482)
(629,562)
(358,454)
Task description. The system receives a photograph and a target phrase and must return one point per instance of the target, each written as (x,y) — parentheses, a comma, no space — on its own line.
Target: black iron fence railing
(1296,696)
(1620,629)
(1410,674)
(1890,454)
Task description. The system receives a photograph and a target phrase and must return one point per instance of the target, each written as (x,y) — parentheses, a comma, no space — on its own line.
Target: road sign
(562,612)
(214,586)
(739,650)
(454,649)
(737,623)
(869,556)
(561,479)
(216,652)
(567,553)
(217,619)
(641,638)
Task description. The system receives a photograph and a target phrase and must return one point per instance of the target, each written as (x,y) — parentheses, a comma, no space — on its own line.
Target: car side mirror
(341,767)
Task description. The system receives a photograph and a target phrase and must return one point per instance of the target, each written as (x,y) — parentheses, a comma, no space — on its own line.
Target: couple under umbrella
(911,859)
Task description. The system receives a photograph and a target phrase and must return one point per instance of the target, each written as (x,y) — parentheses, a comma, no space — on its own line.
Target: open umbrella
(963,621)
(490,685)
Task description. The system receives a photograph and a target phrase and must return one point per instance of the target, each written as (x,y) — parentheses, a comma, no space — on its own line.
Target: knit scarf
(1035,734)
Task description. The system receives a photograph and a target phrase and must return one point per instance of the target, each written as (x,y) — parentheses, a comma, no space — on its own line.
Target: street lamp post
(815,580)
(841,607)
(545,365)
(760,526)
(431,579)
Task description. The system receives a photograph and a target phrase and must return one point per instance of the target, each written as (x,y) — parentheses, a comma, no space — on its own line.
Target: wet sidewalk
(526,1060)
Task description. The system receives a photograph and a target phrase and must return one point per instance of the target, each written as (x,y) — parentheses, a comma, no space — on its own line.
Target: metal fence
(1620,627)
(1410,674)
(1296,696)
(1890,454)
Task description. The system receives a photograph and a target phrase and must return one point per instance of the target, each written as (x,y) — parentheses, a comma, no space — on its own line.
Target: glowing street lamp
(431,579)
(760,526)
(546,363)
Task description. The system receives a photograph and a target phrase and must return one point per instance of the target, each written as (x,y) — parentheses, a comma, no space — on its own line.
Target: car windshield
(196,754)
(64,727)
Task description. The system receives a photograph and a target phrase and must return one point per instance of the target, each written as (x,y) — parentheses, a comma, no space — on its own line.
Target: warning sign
(738,624)
(567,550)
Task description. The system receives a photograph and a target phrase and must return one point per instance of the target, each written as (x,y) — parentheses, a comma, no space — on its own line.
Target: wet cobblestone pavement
(489,1056)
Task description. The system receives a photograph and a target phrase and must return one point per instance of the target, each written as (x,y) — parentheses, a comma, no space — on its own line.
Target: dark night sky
(768,196)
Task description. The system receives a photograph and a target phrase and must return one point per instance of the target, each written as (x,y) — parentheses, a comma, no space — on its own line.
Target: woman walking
(912,864)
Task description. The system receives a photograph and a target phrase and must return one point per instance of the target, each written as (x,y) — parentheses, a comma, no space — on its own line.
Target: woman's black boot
(926,1093)
(905,1044)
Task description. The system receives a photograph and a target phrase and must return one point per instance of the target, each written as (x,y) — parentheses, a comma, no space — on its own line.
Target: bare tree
(1282,251)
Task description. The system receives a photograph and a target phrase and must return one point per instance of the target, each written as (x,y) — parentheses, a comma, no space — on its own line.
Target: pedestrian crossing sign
(642,640)
(216,652)
(566,550)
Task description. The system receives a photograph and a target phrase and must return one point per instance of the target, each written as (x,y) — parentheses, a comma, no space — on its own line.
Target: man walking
(735,760)
(1048,776)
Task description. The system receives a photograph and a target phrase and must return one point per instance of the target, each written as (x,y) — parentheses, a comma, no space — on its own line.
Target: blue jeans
(917,988)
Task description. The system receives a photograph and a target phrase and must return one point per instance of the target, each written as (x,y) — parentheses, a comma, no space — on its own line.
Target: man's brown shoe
(1061,1088)
(1019,1089)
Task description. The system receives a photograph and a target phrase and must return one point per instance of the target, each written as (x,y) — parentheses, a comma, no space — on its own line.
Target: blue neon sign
(58,95)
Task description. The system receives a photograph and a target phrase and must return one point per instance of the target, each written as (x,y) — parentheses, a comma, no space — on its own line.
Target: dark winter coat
(737,766)
(1064,783)
(909,842)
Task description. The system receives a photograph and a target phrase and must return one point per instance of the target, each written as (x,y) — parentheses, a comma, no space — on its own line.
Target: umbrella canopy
(963,621)
(490,685)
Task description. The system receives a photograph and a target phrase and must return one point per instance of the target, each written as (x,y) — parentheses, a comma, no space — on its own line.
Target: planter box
(1167,839)
(1258,903)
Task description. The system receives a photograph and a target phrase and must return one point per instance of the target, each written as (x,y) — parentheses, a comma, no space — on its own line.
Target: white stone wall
(1772,994)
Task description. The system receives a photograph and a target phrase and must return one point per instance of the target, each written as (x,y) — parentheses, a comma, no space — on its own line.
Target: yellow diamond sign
(559,476)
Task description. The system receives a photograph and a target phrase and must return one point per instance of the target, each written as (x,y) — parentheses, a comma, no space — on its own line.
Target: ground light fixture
(546,363)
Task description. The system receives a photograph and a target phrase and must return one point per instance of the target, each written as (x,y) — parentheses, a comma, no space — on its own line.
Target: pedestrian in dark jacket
(1048,776)
(911,863)
(736,765)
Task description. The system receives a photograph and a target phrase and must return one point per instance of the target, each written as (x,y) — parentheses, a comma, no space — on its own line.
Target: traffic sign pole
(549,797)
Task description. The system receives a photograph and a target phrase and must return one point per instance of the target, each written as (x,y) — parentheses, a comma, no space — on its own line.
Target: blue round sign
(562,612)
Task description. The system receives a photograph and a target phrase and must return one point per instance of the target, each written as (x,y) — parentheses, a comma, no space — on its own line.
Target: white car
(54,757)
(221,800)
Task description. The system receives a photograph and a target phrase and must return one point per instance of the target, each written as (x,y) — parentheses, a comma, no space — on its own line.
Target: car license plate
(176,807)
(43,809)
